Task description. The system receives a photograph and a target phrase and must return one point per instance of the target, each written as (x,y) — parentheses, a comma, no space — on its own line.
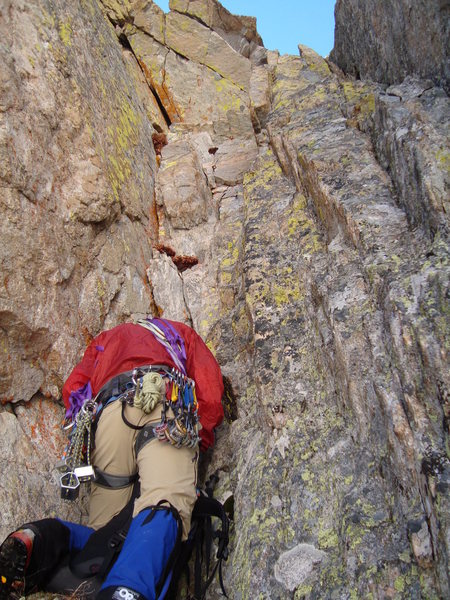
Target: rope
(79,444)
(149,391)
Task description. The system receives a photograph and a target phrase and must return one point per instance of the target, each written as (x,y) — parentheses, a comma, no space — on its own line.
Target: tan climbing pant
(165,472)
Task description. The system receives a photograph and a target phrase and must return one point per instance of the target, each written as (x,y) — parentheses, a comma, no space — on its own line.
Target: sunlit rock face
(169,164)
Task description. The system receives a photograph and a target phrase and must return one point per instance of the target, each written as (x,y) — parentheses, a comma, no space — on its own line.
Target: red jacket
(129,345)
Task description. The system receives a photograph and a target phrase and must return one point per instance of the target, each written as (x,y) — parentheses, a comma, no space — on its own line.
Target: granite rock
(404,37)
(193,40)
(298,219)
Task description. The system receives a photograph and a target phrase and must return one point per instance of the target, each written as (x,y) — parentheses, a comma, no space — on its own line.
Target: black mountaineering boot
(15,555)
(29,555)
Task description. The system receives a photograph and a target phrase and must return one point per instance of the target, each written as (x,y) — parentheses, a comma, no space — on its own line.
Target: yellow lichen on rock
(65,33)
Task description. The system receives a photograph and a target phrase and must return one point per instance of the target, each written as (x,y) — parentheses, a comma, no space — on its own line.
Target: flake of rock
(296,566)
(239,31)
(147,96)
(233,159)
(167,288)
(194,96)
(193,40)
(148,17)
(184,190)
(260,95)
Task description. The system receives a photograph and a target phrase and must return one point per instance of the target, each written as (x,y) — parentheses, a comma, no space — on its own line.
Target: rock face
(387,41)
(297,218)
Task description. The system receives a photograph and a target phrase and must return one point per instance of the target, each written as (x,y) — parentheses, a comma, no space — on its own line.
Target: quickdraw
(179,430)
(182,428)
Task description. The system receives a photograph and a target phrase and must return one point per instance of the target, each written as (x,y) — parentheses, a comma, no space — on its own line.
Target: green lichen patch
(65,32)
(328,538)
(123,134)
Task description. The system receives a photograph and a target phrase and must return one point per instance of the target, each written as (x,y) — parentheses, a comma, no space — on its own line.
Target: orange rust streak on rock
(86,335)
(162,93)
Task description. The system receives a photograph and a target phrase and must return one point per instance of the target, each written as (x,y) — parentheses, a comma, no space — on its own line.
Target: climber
(150,393)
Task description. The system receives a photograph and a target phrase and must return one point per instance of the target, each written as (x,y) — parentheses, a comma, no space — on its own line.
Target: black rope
(127,422)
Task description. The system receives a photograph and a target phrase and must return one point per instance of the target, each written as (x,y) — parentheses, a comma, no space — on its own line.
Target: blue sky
(283,24)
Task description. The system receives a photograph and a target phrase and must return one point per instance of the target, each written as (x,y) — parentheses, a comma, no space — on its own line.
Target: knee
(147,557)
(163,517)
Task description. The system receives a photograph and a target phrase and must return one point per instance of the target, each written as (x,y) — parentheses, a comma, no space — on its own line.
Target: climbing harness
(143,387)
(182,429)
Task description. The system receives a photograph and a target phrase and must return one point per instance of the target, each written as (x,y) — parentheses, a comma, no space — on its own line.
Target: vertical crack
(125,43)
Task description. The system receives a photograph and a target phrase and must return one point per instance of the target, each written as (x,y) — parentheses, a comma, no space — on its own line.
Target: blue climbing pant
(146,557)
(79,535)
